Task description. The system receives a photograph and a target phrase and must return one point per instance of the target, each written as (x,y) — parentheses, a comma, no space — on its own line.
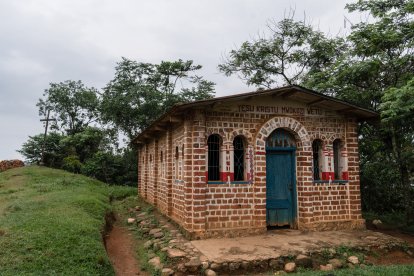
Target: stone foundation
(334,225)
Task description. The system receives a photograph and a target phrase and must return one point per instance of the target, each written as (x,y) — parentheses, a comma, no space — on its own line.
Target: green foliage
(72,164)
(86,143)
(398,105)
(32,149)
(87,152)
(121,192)
(373,66)
(53,231)
(74,105)
(104,166)
(292,49)
(141,92)
(390,220)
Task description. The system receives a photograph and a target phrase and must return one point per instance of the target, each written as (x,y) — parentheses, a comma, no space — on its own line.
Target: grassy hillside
(51,222)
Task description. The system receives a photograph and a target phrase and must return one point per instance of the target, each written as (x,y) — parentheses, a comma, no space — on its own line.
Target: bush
(72,164)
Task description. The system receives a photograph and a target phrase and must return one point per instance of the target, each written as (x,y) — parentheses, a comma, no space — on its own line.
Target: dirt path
(120,249)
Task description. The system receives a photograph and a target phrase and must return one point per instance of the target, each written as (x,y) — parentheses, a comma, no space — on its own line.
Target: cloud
(47,41)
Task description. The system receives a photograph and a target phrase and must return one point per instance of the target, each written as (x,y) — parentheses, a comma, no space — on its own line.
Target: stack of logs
(10,164)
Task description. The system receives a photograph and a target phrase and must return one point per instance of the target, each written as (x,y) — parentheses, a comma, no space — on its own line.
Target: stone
(181,267)
(175,253)
(193,265)
(156,263)
(164,249)
(167,272)
(327,267)
(371,238)
(245,265)
(173,241)
(275,264)
(280,272)
(156,246)
(148,244)
(290,267)
(210,272)
(409,253)
(376,222)
(303,261)
(215,266)
(137,208)
(158,235)
(336,263)
(131,220)
(234,266)
(353,260)
(263,264)
(151,255)
(204,265)
(142,215)
(155,230)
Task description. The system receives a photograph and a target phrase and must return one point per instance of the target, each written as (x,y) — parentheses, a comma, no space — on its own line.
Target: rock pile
(10,164)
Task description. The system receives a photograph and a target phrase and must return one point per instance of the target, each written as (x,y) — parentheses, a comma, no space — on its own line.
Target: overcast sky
(45,41)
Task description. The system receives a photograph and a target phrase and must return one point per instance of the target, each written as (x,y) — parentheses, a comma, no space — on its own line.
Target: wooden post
(44,137)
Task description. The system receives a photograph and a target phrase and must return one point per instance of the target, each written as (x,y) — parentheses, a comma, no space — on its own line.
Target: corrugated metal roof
(293,92)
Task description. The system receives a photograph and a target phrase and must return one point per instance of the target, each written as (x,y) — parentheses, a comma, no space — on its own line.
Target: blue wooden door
(280,187)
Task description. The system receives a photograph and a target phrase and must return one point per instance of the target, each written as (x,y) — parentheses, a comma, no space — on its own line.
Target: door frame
(292,152)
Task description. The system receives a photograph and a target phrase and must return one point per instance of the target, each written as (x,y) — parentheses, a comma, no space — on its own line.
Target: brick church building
(238,164)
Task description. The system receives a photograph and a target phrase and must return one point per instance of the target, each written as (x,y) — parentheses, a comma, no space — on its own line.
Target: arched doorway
(280,178)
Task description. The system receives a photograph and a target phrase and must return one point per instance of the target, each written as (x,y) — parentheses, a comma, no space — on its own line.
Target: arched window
(176,162)
(238,146)
(337,146)
(213,143)
(317,159)
(280,138)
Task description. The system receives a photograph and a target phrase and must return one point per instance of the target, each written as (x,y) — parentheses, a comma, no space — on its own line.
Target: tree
(373,66)
(141,92)
(54,153)
(292,49)
(74,105)
(86,143)
(376,72)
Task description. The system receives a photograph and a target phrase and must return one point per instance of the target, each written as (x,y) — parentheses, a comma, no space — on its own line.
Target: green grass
(391,220)
(51,222)
(393,270)
(122,209)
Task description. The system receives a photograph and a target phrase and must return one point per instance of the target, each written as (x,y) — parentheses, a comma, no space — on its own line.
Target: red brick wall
(210,209)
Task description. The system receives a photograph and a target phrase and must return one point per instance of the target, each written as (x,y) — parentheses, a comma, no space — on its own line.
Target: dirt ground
(120,248)
(282,242)
(120,245)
